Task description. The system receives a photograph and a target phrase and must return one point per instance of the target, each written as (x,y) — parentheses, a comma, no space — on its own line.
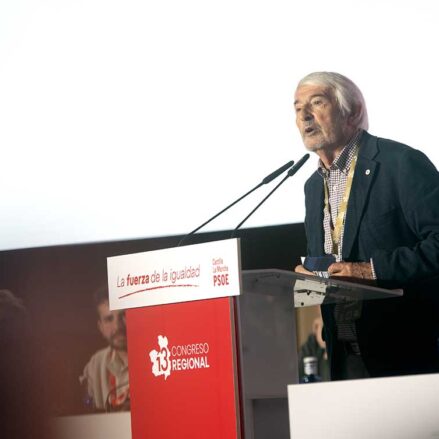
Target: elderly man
(106,374)
(373,204)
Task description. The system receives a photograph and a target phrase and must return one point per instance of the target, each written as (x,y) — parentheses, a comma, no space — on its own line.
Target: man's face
(111,324)
(319,118)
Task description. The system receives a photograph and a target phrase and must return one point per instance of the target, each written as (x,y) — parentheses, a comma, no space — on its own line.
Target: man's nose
(306,115)
(119,322)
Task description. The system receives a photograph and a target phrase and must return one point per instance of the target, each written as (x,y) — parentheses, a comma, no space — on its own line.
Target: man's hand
(303,270)
(352,270)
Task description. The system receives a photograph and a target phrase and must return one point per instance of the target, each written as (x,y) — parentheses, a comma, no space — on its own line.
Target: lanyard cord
(336,231)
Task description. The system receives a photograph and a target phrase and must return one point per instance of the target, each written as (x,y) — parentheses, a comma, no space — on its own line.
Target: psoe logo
(178,358)
(161,363)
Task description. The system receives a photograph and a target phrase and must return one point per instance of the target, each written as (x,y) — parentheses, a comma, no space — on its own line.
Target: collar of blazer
(364,175)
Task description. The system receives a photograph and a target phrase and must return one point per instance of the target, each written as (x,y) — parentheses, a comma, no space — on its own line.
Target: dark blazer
(393,218)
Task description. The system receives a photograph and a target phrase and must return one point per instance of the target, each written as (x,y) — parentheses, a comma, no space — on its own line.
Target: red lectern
(205,361)
(182,356)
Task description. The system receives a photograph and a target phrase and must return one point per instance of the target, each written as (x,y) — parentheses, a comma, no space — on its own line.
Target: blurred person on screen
(105,376)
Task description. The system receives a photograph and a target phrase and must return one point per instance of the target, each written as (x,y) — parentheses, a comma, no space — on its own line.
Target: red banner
(183,372)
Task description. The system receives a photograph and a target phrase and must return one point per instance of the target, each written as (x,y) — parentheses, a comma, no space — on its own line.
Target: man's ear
(354,118)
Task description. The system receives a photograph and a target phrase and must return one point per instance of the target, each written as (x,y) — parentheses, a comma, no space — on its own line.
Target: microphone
(290,173)
(266,180)
(297,166)
(273,175)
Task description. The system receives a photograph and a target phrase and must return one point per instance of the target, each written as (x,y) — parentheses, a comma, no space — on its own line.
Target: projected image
(57,302)
(141,119)
(77,346)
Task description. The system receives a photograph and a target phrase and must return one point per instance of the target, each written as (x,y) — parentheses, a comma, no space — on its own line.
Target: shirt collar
(343,161)
(117,362)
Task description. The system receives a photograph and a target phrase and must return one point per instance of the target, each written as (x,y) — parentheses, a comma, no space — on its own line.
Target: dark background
(57,284)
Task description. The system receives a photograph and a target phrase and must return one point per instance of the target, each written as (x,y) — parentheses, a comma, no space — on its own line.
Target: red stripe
(156,288)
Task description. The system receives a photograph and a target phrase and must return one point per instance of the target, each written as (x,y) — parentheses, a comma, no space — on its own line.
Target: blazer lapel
(363,177)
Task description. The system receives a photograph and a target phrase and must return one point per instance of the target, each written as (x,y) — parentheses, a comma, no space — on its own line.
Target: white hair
(348,95)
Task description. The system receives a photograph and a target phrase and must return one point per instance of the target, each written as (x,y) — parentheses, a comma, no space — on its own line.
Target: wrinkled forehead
(305,92)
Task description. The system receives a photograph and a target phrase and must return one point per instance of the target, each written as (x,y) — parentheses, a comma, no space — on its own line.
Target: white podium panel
(175,275)
(403,407)
(98,426)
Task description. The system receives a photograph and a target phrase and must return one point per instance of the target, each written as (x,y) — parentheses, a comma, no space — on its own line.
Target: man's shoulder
(384,147)
(99,356)
(96,363)
(398,160)
(393,147)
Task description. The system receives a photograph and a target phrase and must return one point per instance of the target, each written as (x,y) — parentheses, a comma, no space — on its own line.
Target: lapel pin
(367,171)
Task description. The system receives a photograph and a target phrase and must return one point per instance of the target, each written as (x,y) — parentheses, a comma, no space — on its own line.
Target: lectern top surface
(311,290)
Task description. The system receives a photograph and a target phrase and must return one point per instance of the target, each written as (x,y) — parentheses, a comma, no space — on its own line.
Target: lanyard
(336,231)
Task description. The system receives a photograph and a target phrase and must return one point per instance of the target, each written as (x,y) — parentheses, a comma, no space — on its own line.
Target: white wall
(137,118)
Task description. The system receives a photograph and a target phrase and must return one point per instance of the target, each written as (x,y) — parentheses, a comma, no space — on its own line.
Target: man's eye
(318,102)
